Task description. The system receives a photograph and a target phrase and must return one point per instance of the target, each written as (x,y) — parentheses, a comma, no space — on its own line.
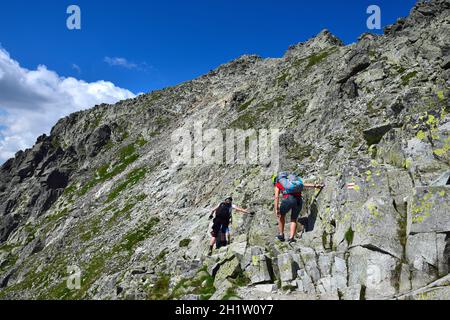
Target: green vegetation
(132,179)
(300,108)
(349,236)
(250,118)
(127,155)
(402,229)
(282,78)
(300,151)
(408,77)
(133,238)
(201,284)
(184,243)
(58,215)
(245,121)
(141,197)
(371,111)
(161,255)
(160,290)
(90,229)
(10,259)
(400,69)
(162,121)
(241,280)
(120,213)
(244,106)
(55,142)
(96,122)
(230,293)
(318,58)
(55,268)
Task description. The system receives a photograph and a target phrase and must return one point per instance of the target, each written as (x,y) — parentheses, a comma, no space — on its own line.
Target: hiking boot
(281,238)
(292,240)
(210,251)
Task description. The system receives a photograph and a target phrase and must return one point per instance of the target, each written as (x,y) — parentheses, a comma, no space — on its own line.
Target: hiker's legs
(281,223)
(293,229)
(227,232)
(295,213)
(286,205)
(214,233)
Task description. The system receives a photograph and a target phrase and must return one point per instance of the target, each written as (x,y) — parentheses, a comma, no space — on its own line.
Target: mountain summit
(102,198)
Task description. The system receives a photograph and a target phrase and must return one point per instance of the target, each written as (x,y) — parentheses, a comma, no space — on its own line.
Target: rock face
(103,195)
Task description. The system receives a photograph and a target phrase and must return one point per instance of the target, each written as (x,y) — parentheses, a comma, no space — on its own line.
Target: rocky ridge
(101,192)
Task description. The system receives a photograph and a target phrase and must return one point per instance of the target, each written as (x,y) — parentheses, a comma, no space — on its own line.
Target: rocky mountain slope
(371,120)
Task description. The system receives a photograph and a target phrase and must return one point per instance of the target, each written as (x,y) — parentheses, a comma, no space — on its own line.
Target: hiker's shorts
(217,227)
(293,204)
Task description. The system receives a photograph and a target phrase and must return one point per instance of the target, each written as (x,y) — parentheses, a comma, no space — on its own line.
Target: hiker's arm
(212,212)
(313,186)
(239,209)
(277,201)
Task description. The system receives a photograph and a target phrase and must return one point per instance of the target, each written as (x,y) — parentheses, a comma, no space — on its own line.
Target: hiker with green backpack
(290,187)
(221,222)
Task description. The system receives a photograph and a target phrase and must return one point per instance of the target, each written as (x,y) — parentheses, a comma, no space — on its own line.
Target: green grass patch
(141,197)
(124,212)
(161,255)
(315,59)
(184,243)
(136,236)
(10,261)
(58,215)
(90,229)
(300,151)
(132,179)
(349,235)
(127,156)
(408,77)
(282,78)
(244,106)
(202,284)
(55,268)
(160,290)
(230,293)
(162,121)
(251,118)
(299,108)
(241,280)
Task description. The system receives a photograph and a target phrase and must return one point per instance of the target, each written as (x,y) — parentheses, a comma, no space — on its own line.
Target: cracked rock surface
(101,192)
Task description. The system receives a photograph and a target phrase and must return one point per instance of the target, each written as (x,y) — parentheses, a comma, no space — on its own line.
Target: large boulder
(258,271)
(287,267)
(339,272)
(427,256)
(229,269)
(309,259)
(373,270)
(428,210)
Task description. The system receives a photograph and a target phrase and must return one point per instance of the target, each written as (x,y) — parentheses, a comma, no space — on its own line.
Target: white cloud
(120,62)
(32,101)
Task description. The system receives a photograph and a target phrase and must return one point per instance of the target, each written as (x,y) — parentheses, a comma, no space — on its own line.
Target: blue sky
(171,41)
(128,47)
